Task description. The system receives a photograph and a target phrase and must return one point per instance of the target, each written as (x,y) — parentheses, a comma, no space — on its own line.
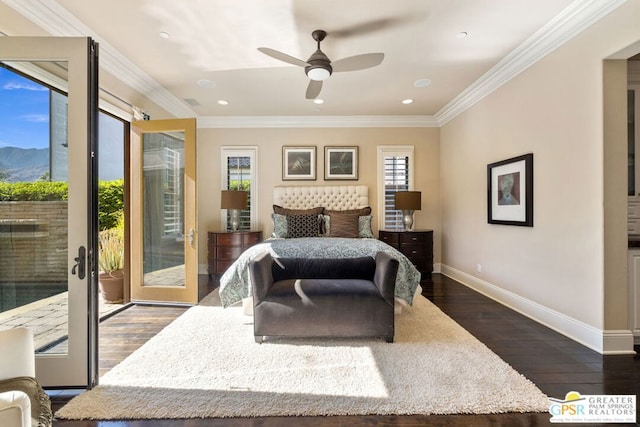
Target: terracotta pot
(112,286)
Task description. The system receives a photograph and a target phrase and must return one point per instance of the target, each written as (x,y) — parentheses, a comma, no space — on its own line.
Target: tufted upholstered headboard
(335,197)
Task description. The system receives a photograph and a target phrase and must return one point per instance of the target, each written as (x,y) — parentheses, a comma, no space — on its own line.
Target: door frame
(187,294)
(78,367)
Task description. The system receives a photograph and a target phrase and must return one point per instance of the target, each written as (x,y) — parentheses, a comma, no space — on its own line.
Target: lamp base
(407,219)
(234,219)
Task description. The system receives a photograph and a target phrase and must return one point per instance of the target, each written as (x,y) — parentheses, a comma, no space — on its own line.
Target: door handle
(80,263)
(192,236)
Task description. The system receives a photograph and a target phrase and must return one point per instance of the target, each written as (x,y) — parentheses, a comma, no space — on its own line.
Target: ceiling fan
(319,67)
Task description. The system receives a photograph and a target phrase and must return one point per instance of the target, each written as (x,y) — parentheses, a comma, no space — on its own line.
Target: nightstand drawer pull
(412,238)
(413,250)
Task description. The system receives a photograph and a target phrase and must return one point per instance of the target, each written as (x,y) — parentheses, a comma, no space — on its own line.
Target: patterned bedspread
(235,284)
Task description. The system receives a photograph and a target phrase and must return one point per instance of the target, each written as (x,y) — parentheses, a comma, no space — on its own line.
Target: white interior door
(48,244)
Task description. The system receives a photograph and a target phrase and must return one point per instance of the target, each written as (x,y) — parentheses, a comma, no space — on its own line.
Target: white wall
(555,270)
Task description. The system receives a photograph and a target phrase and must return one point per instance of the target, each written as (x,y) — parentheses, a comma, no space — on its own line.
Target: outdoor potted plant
(111,261)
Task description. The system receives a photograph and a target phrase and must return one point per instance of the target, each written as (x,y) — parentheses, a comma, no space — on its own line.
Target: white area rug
(206,364)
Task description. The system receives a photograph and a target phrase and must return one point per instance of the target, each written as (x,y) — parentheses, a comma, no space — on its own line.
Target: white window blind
(395,166)
(396,178)
(239,173)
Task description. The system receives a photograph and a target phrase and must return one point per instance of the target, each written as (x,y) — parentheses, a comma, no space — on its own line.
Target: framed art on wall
(340,163)
(510,191)
(298,163)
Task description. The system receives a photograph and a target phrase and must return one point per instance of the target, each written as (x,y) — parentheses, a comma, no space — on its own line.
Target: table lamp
(407,202)
(234,201)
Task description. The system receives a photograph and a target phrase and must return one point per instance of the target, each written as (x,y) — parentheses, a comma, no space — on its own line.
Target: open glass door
(48,219)
(164,265)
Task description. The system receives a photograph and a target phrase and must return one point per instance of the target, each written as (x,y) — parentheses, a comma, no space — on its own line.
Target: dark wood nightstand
(417,245)
(226,246)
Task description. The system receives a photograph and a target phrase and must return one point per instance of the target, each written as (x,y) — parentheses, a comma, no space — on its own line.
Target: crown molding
(57,21)
(316,121)
(567,24)
(579,15)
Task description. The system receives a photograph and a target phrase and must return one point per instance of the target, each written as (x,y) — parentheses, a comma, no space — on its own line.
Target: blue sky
(24,112)
(24,123)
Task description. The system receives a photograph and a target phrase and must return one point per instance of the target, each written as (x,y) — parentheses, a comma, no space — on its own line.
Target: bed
(297,206)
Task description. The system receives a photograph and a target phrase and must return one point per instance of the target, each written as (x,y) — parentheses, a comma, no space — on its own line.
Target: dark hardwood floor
(554,363)
(125,332)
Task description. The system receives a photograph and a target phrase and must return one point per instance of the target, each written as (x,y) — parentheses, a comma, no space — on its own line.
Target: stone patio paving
(47,318)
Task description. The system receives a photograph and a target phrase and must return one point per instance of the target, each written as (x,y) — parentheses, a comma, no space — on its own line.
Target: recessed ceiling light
(407,101)
(164,34)
(422,83)
(462,35)
(318,101)
(206,83)
(223,102)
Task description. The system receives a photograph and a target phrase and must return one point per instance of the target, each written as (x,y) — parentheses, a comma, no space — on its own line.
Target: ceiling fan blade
(374,26)
(314,88)
(282,56)
(357,62)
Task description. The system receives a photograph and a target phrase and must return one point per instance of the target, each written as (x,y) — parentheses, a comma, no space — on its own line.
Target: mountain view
(23,164)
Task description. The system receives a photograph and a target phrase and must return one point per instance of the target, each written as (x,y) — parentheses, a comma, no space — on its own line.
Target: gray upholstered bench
(301,297)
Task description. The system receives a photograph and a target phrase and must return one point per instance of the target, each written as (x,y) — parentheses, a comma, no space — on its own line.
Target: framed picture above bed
(340,163)
(510,191)
(298,163)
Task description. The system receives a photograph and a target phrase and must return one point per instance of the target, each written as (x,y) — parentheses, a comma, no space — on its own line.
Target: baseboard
(617,342)
(604,342)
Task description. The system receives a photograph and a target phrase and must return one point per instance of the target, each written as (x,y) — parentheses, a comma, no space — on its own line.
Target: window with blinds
(395,165)
(239,174)
(396,178)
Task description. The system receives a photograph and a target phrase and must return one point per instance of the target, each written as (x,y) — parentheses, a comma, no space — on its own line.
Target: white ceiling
(217,40)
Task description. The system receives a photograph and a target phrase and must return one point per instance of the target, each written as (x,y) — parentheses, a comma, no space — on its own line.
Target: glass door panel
(163,218)
(45,214)
(34,210)
(163,209)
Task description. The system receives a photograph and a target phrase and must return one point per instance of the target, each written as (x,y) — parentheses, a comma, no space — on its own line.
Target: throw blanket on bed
(235,284)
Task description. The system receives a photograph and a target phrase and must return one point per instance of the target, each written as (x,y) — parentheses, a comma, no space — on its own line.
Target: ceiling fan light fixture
(319,67)
(318,73)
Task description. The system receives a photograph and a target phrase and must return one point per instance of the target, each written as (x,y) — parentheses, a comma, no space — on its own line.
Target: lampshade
(408,200)
(232,199)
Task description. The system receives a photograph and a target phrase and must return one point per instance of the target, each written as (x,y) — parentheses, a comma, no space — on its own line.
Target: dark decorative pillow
(357,212)
(303,226)
(285,211)
(343,225)
(364,226)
